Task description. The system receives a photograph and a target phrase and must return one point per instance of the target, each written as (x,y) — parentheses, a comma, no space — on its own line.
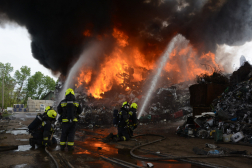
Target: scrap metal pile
(230,119)
(168,104)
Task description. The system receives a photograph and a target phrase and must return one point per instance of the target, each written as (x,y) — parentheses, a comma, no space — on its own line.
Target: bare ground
(87,140)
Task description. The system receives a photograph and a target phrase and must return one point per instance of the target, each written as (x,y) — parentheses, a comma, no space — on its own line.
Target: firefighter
(132,118)
(123,123)
(42,129)
(69,109)
(48,108)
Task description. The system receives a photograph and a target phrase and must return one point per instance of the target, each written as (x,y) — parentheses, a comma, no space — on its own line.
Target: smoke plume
(62,29)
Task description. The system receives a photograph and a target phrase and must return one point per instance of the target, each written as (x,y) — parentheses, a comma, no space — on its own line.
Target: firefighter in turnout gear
(123,123)
(132,118)
(42,129)
(48,108)
(69,109)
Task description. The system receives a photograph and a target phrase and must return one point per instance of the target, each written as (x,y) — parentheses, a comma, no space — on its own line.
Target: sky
(15,48)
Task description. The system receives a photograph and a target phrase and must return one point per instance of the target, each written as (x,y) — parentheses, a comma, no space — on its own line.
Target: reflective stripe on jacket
(74,110)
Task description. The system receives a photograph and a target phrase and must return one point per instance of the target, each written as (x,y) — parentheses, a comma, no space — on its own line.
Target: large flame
(128,63)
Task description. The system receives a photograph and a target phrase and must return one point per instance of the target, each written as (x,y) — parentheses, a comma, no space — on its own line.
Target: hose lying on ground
(55,162)
(7,148)
(175,158)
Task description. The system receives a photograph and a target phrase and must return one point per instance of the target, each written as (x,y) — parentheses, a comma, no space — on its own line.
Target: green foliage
(17,89)
(9,84)
(39,85)
(21,81)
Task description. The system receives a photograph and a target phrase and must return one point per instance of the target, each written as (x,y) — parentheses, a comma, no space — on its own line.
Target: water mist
(162,63)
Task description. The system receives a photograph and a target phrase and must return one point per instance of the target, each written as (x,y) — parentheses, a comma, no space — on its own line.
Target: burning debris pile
(165,102)
(216,77)
(231,119)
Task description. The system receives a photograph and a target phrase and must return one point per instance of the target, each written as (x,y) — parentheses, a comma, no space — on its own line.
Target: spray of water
(86,59)
(68,83)
(162,63)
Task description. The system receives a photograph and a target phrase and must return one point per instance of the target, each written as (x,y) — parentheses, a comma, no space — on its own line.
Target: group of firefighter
(43,126)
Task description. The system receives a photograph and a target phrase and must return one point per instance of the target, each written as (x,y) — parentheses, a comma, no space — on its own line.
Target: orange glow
(116,68)
(188,64)
(87,33)
(84,77)
(106,148)
(83,152)
(121,37)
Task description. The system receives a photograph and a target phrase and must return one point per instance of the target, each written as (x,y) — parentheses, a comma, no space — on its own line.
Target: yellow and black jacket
(132,118)
(44,131)
(69,109)
(48,128)
(123,119)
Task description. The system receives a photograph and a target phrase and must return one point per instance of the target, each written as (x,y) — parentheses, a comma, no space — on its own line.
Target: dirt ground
(89,147)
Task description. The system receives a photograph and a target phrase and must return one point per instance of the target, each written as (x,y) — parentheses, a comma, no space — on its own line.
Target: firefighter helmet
(69,90)
(133,105)
(125,103)
(48,108)
(51,114)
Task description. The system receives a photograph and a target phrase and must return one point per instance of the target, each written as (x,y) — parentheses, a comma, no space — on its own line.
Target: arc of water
(162,63)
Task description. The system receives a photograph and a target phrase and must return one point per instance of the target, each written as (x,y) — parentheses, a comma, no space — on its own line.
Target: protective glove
(132,128)
(135,126)
(126,126)
(46,143)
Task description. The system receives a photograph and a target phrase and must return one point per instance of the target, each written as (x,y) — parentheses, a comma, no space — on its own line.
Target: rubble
(242,74)
(230,119)
(216,77)
(168,103)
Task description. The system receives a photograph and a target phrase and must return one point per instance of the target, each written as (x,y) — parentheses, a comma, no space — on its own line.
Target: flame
(127,63)
(121,37)
(84,77)
(87,33)
(188,65)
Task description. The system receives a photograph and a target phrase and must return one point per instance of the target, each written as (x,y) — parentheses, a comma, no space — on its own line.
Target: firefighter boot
(62,147)
(32,142)
(116,139)
(70,148)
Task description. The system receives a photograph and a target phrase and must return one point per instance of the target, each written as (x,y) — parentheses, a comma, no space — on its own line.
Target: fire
(188,65)
(110,69)
(121,37)
(87,33)
(127,64)
(84,77)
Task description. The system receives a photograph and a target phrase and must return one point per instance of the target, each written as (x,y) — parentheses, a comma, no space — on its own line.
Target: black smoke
(57,26)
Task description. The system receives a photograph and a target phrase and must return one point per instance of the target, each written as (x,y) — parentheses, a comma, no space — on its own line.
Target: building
(49,96)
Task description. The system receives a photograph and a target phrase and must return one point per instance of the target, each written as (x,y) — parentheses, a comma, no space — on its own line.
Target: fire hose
(55,162)
(173,157)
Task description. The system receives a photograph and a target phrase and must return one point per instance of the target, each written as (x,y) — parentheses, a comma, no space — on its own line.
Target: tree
(21,80)
(38,85)
(9,85)
(49,84)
